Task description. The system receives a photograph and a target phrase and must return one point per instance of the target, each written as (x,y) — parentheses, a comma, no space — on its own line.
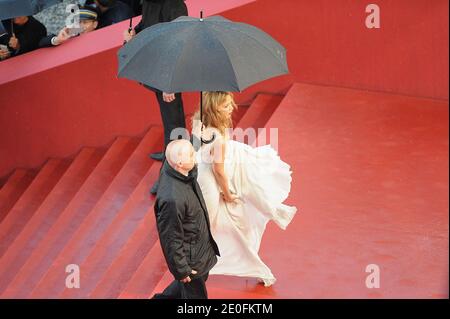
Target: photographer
(171,104)
(88,17)
(23,35)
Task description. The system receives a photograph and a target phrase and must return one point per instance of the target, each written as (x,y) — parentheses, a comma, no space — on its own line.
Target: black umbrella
(191,54)
(16,8)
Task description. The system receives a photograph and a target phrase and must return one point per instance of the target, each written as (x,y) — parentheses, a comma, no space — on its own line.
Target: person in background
(170,104)
(88,23)
(24,34)
(111,11)
(135,5)
(4,51)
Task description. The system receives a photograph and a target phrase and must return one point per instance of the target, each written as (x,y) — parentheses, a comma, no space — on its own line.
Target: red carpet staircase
(94,211)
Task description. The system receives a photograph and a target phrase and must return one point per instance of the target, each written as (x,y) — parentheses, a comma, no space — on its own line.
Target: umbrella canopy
(212,54)
(16,8)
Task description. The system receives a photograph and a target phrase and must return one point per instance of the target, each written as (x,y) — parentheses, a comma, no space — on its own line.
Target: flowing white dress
(263,182)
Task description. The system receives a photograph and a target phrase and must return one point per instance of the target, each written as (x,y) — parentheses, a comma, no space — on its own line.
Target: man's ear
(95,24)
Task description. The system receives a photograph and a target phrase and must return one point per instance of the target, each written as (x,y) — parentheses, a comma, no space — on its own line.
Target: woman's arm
(218,152)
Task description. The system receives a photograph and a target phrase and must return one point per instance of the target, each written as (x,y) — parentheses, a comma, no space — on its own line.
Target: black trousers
(196,289)
(172,115)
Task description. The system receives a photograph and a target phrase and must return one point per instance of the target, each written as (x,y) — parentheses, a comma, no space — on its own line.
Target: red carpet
(371,184)
(370,181)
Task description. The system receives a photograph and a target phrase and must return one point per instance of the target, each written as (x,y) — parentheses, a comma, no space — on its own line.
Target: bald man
(183,225)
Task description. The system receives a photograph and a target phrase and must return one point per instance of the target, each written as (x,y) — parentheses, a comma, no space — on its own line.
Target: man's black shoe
(157,156)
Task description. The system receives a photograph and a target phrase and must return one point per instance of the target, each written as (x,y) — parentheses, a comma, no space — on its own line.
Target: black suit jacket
(157,11)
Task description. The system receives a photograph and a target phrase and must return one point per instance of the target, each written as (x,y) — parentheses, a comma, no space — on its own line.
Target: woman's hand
(197,128)
(230,198)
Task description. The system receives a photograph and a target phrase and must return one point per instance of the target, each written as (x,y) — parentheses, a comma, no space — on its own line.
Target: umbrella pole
(201,118)
(201,107)
(130,28)
(202,141)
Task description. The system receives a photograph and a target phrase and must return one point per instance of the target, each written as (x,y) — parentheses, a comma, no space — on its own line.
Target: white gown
(263,182)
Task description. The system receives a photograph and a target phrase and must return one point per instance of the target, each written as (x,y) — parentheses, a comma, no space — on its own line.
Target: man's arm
(138,27)
(55,40)
(170,228)
(47,41)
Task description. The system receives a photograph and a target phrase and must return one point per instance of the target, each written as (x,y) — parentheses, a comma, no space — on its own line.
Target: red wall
(328,43)
(55,101)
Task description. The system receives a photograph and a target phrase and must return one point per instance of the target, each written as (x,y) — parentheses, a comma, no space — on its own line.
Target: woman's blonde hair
(212,116)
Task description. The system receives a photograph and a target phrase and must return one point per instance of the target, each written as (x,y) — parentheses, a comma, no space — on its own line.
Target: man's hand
(4,54)
(63,36)
(168,97)
(188,279)
(14,42)
(127,35)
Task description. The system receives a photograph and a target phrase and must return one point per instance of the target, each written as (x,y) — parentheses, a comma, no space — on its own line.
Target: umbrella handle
(129,29)
(210,141)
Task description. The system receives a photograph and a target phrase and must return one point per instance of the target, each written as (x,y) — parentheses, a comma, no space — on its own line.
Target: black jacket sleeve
(151,14)
(173,9)
(169,220)
(46,41)
(138,27)
(4,39)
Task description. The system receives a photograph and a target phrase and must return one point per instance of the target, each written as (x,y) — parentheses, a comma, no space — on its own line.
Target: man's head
(180,155)
(21,20)
(88,19)
(104,5)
